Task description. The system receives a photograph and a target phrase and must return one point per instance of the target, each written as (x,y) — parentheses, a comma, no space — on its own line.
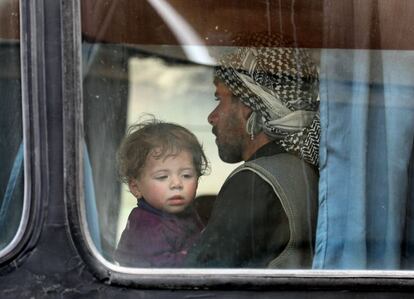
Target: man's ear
(246,111)
(133,187)
(254,124)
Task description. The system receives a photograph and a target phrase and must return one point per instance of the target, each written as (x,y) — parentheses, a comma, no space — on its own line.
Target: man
(265,213)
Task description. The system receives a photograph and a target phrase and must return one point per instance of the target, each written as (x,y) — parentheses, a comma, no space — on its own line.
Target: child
(161,163)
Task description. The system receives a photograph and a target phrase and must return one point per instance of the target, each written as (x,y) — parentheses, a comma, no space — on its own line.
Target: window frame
(34,137)
(249,279)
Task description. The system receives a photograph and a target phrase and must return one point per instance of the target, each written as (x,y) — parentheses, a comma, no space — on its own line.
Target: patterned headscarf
(280,84)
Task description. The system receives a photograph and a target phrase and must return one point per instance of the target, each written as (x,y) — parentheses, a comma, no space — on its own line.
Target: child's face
(167,183)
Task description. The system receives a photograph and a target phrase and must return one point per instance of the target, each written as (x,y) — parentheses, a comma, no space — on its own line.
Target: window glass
(11,131)
(315,123)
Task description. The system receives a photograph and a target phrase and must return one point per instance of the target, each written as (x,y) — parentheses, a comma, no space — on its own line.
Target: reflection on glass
(11,131)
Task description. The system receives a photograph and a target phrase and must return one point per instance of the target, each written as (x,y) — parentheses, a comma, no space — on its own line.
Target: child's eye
(188,175)
(161,177)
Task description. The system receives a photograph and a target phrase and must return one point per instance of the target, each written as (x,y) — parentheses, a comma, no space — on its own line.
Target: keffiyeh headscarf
(280,84)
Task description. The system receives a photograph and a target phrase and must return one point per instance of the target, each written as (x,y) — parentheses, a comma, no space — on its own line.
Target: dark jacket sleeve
(247,228)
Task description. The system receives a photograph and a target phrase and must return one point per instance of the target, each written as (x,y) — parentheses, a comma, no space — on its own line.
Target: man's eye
(217,99)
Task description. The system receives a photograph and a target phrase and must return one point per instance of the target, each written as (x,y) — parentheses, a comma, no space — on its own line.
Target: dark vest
(296,185)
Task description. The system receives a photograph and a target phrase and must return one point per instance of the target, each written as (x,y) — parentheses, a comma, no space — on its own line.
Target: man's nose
(212,117)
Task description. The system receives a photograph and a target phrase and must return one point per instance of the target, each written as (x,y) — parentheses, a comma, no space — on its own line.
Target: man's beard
(230,152)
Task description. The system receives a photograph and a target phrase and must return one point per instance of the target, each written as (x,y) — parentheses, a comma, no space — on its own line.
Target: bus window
(338,101)
(11,130)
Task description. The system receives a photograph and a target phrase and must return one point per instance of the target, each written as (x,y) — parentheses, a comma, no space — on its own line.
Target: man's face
(228,121)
